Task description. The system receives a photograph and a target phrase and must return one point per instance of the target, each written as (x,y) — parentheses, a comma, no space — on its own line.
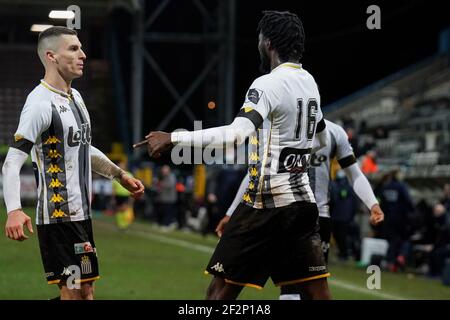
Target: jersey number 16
(311,110)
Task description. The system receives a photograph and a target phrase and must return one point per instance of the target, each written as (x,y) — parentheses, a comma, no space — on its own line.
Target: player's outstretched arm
(105,167)
(364,191)
(11,194)
(237,199)
(159,142)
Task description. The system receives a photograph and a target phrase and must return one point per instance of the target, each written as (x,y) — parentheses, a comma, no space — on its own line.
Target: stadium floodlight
(61,14)
(40,27)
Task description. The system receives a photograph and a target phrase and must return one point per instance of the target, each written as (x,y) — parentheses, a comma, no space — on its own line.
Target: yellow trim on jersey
(286,283)
(291,65)
(76,281)
(64,94)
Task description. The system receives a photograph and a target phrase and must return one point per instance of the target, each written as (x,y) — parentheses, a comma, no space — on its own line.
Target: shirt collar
(64,94)
(289,65)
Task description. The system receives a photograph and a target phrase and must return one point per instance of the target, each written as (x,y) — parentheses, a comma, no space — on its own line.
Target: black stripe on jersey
(320,126)
(83,164)
(252,115)
(55,170)
(23,145)
(347,161)
(333,147)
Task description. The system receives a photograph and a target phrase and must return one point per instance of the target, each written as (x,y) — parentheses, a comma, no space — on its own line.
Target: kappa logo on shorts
(86,266)
(253,95)
(218,267)
(84,247)
(66,272)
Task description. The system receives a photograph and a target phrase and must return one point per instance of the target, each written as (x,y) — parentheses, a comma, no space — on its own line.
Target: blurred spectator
(123,208)
(446,199)
(353,139)
(101,195)
(396,203)
(342,210)
(441,247)
(380,133)
(166,198)
(369,164)
(181,204)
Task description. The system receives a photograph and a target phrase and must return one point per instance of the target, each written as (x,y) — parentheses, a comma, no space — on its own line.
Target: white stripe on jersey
(319,173)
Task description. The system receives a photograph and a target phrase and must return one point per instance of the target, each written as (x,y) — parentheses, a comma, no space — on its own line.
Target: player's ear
(268,45)
(51,56)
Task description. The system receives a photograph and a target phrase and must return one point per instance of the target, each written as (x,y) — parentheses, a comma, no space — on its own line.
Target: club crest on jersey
(294,160)
(82,135)
(253,95)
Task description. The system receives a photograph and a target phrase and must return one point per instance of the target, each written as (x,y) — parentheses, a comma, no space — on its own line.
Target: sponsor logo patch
(294,160)
(84,247)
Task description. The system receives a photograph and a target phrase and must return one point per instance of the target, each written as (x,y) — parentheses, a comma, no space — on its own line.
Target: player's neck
(276,62)
(57,81)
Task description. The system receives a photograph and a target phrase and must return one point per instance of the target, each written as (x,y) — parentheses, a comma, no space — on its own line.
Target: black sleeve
(23,145)
(320,126)
(252,115)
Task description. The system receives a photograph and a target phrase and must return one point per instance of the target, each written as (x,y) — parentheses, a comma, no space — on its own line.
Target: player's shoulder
(40,98)
(265,81)
(337,131)
(76,93)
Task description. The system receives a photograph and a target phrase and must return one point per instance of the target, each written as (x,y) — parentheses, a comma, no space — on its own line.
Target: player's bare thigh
(86,292)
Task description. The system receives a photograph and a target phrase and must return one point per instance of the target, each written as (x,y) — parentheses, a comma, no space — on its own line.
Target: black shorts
(68,250)
(325,235)
(281,243)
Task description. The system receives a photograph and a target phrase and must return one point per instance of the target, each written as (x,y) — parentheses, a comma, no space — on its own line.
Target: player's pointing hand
(157,143)
(14,225)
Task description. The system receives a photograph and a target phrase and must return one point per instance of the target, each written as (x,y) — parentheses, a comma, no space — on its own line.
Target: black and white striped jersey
(319,172)
(285,107)
(58,128)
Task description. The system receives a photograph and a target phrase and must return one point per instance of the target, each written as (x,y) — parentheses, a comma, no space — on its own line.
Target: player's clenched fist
(14,225)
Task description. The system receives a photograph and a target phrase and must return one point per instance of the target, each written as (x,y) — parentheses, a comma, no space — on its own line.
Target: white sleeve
(11,178)
(35,118)
(239,195)
(218,137)
(102,165)
(361,185)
